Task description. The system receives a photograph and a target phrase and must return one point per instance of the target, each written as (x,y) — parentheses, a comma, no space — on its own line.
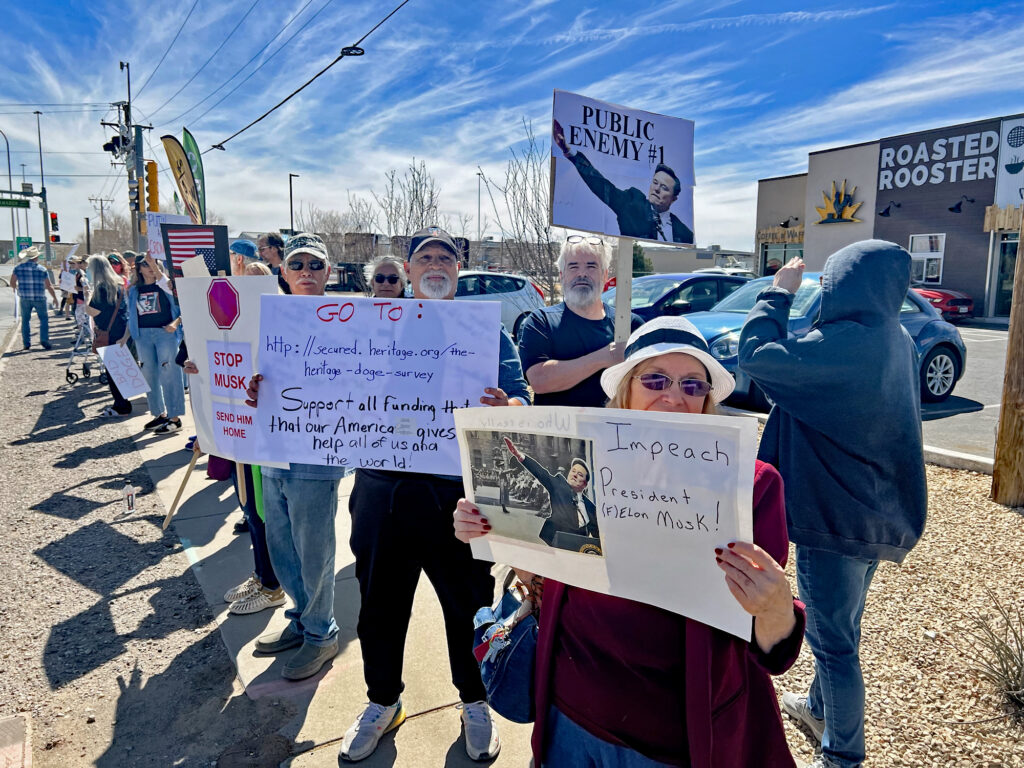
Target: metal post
(140,174)
(10,185)
(28,230)
(88,240)
(479,234)
(291,205)
(42,190)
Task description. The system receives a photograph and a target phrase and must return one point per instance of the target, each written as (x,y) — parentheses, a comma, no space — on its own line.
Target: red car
(953,305)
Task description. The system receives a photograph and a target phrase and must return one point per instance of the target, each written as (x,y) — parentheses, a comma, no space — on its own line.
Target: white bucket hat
(664,336)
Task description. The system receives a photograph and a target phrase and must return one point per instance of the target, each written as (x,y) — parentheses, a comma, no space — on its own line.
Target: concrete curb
(938,456)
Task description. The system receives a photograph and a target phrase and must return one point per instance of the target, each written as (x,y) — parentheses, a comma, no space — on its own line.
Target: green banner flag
(195,159)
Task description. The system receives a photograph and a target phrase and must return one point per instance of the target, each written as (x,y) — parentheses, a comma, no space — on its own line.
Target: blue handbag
(505,645)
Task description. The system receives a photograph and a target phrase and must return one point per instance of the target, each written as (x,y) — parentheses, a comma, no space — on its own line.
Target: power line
(250,61)
(53,104)
(59,111)
(263,62)
(139,92)
(352,50)
(222,44)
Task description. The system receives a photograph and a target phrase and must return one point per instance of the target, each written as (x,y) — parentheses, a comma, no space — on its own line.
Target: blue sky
(451,82)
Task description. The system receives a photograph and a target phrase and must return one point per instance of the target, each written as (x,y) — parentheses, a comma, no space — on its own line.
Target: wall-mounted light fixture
(958,206)
(887,211)
(789,221)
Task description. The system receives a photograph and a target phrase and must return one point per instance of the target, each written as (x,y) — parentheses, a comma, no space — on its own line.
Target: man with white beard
(402,525)
(565,348)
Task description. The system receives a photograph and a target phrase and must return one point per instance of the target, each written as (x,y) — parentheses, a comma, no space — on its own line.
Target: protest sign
(220,317)
(123,369)
(366,382)
(659,493)
(67,282)
(620,171)
(154,236)
(205,244)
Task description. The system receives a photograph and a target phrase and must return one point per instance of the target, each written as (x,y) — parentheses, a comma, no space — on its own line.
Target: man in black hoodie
(845,433)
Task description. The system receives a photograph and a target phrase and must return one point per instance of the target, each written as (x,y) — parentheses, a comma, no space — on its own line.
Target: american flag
(186,244)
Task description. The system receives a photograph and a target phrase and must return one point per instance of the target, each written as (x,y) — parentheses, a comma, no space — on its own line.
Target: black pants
(121,405)
(401,525)
(257,530)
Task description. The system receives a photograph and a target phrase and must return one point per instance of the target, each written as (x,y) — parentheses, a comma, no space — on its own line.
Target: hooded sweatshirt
(845,430)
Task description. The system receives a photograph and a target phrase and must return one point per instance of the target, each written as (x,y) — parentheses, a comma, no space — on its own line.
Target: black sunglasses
(659,382)
(315,265)
(385,278)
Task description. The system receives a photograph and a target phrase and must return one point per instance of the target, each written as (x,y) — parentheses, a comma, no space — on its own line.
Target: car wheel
(939,373)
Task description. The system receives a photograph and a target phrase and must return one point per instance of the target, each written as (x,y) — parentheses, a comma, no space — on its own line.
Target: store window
(1004,279)
(774,255)
(926,252)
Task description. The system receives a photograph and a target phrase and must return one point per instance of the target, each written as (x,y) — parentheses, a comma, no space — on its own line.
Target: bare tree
(521,208)
(409,202)
(328,223)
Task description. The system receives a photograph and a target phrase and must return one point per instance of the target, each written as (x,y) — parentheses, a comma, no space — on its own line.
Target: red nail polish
(718,560)
(732,544)
(487,527)
(718,551)
(484,521)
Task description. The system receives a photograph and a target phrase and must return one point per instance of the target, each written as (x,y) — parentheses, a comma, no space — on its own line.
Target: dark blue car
(677,293)
(940,350)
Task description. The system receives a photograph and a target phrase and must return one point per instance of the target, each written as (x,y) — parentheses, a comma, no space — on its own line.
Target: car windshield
(744,297)
(645,292)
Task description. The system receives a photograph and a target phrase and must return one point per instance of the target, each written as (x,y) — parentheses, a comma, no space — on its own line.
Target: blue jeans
(156,349)
(300,536)
(834,588)
(571,746)
(39,305)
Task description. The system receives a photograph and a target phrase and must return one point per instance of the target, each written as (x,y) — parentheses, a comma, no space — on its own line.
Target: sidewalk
(332,699)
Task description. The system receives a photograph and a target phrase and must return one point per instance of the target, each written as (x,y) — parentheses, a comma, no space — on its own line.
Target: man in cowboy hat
(32,281)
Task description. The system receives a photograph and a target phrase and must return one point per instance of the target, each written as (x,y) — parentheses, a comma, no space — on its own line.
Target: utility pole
(42,190)
(1008,467)
(28,229)
(88,240)
(101,201)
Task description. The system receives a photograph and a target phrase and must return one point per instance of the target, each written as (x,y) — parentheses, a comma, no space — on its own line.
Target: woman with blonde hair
(109,314)
(625,684)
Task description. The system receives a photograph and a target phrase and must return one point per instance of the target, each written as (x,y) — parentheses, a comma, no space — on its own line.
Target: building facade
(952,196)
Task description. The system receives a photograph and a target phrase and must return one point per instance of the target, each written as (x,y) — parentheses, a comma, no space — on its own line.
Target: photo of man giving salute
(639,215)
(571,510)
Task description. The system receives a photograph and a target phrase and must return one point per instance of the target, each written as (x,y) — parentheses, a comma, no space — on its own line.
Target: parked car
(677,294)
(953,305)
(941,353)
(518,295)
(738,271)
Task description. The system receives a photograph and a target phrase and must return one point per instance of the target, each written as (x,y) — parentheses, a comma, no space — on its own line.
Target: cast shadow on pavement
(953,406)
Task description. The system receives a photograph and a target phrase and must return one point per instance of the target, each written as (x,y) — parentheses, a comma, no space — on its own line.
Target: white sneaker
(482,741)
(259,600)
(246,589)
(361,739)
(796,707)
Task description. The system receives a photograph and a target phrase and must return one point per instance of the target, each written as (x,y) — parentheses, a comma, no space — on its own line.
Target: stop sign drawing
(222,299)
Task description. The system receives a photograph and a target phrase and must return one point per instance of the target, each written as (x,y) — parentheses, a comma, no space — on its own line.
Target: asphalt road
(967,421)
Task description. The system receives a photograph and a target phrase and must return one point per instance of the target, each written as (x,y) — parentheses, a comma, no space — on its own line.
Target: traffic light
(54,224)
(133,194)
(54,238)
(152,187)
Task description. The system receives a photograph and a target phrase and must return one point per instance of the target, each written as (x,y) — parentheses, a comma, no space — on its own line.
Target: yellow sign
(839,207)
(182,172)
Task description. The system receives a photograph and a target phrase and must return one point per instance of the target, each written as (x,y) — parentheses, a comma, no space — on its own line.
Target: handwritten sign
(366,382)
(220,317)
(67,282)
(123,369)
(666,488)
(154,239)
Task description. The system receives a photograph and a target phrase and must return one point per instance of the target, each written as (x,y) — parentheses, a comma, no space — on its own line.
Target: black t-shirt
(558,333)
(153,306)
(102,320)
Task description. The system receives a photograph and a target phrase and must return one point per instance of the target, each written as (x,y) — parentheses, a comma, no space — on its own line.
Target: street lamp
(479,178)
(291,205)
(42,193)
(10,186)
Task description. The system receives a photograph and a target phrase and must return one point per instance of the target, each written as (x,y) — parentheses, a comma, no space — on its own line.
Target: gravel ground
(107,642)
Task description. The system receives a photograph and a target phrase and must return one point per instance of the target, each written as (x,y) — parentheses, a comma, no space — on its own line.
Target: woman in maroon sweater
(622,684)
